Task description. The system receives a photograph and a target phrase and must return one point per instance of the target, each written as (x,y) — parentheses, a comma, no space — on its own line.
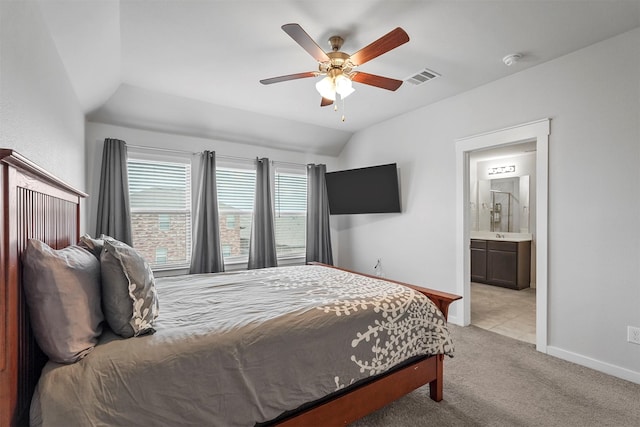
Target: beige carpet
(494,380)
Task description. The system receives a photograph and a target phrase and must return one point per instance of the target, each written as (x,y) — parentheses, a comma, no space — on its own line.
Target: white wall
(593,98)
(40,116)
(97,132)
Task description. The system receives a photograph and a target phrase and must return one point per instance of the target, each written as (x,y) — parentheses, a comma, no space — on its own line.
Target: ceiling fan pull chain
(343,109)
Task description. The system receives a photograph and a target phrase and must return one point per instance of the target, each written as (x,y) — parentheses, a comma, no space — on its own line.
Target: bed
(36,205)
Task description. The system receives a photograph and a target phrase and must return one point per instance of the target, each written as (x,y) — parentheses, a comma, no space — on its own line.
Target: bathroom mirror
(503,205)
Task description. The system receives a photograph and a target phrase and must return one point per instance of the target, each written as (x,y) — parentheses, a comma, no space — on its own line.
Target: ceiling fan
(339,67)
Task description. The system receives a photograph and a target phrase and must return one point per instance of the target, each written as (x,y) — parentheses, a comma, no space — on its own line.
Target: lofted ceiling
(193,67)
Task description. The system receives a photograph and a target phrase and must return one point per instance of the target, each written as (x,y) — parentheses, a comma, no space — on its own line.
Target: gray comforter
(234,349)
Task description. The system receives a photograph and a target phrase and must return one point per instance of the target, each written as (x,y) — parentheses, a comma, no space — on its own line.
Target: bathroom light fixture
(511,59)
(502,169)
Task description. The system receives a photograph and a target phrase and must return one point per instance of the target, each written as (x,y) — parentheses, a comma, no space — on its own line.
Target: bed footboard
(363,400)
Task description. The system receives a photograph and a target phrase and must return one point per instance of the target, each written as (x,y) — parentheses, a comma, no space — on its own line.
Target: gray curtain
(206,256)
(114,212)
(318,231)
(262,245)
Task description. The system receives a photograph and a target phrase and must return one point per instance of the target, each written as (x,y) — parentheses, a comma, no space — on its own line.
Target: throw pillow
(129,296)
(62,290)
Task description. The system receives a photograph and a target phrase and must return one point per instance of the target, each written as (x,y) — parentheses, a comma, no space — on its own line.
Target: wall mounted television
(372,189)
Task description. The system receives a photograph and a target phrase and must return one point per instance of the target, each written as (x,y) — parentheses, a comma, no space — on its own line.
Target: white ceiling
(193,67)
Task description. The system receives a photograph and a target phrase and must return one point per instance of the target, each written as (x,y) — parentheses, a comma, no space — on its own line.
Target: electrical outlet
(378,268)
(633,334)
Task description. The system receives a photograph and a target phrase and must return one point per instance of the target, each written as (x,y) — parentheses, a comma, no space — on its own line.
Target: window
(160,192)
(290,208)
(226,251)
(161,255)
(164,222)
(236,190)
(231,221)
(160,196)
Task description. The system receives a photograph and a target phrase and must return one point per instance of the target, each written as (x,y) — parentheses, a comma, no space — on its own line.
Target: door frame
(537,131)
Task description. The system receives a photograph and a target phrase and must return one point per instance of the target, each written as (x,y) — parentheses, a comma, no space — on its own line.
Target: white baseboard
(454,320)
(607,368)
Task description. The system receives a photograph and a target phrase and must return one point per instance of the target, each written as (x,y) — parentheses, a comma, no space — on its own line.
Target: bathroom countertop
(505,237)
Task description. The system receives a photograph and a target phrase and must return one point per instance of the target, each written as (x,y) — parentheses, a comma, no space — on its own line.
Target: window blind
(154,185)
(290,206)
(236,192)
(160,198)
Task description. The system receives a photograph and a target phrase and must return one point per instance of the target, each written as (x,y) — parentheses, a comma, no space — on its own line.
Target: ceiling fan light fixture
(344,86)
(327,88)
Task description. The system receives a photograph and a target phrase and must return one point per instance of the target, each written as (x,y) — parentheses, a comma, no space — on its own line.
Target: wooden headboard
(34,205)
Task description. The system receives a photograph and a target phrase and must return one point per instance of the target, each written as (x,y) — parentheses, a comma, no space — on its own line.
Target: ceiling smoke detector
(509,60)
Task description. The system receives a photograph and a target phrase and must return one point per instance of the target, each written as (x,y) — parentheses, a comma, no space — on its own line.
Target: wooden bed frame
(36,204)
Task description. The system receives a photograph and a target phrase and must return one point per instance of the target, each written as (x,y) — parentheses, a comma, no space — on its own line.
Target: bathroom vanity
(501,259)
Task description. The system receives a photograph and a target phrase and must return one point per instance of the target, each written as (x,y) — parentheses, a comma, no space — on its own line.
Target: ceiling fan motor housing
(337,60)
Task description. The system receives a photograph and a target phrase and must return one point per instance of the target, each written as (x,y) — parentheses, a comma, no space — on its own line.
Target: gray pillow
(92,245)
(129,295)
(62,290)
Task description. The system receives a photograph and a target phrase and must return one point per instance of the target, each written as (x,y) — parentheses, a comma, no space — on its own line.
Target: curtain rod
(218,156)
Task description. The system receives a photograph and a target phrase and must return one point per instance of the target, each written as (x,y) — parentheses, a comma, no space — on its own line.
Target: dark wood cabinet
(501,263)
(479,261)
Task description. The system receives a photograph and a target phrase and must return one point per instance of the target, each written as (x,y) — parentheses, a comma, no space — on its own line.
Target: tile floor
(504,311)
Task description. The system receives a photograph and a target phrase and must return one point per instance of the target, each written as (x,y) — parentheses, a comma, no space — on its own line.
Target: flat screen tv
(365,190)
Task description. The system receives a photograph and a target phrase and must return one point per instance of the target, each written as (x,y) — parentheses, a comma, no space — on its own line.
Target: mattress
(240,348)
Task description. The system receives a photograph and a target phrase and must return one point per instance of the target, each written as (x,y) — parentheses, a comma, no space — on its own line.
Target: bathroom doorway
(502,200)
(536,133)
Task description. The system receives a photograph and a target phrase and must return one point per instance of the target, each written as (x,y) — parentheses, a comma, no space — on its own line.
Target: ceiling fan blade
(303,39)
(288,77)
(377,81)
(324,102)
(384,44)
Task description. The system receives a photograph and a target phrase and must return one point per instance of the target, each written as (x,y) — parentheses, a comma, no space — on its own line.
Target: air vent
(422,77)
